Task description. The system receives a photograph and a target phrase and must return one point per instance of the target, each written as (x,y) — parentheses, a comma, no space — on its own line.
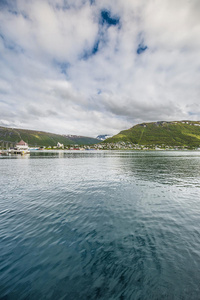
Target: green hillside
(177,133)
(82,140)
(40,138)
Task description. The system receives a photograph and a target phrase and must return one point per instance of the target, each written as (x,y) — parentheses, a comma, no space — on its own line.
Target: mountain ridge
(174,133)
(41,138)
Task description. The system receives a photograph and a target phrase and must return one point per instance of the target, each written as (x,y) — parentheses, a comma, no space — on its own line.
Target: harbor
(21,148)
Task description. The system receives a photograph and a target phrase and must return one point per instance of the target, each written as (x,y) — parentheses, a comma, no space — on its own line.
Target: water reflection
(100,225)
(166,167)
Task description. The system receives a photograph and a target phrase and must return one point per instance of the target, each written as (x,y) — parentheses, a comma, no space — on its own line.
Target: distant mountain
(176,133)
(40,138)
(103,137)
(82,140)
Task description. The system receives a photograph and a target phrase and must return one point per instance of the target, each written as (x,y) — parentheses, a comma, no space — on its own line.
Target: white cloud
(53,78)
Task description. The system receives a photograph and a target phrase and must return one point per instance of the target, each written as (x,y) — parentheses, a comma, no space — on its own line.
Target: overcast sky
(91,67)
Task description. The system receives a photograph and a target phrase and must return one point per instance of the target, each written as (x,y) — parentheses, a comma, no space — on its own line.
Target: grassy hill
(177,133)
(40,138)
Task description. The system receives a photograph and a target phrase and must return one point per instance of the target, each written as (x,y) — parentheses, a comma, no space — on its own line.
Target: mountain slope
(40,138)
(82,140)
(177,133)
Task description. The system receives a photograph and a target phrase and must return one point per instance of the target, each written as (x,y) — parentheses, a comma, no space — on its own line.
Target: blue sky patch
(95,48)
(11,45)
(63,66)
(3,3)
(107,19)
(141,48)
(90,52)
(191,113)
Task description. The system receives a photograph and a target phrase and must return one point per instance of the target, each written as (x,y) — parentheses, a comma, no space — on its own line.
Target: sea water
(100,225)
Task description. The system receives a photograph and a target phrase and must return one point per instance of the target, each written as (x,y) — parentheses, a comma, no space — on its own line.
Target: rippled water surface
(100,225)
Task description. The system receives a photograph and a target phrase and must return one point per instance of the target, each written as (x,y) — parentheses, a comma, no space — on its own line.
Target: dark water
(100,225)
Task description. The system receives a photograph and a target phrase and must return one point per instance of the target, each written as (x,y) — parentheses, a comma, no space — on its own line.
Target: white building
(21,145)
(20,148)
(59,145)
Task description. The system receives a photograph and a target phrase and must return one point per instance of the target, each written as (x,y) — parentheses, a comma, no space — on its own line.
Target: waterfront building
(20,148)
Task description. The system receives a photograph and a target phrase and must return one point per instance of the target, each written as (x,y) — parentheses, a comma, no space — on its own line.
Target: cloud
(96,67)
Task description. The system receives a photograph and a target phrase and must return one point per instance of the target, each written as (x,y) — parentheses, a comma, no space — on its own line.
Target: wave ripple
(109,225)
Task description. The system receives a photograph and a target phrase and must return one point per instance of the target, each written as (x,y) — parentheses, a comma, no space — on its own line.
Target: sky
(90,67)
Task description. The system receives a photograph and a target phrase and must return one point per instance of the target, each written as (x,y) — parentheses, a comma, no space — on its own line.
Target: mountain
(82,140)
(103,137)
(176,133)
(40,138)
